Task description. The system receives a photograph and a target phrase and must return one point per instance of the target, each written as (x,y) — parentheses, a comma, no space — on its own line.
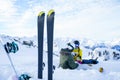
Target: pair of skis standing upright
(50,30)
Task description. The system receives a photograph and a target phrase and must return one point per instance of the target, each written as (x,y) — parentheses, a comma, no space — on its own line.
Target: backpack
(66,59)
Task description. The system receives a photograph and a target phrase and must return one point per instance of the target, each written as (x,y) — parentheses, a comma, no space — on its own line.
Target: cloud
(7,10)
(88,18)
(25,25)
(93,21)
(14,23)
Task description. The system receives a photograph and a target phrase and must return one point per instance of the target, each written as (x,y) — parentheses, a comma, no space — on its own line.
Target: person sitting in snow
(76,51)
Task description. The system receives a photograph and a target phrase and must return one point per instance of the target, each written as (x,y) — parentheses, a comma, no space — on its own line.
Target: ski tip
(50,12)
(41,13)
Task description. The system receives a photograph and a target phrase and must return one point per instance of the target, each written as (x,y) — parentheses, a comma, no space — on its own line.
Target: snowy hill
(25,60)
(61,42)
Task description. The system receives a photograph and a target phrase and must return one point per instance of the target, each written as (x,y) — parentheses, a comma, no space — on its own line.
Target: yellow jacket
(78,54)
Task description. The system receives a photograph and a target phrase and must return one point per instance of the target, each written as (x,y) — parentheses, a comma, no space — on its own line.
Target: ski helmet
(76,42)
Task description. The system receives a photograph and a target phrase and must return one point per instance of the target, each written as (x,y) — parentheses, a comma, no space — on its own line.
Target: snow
(25,61)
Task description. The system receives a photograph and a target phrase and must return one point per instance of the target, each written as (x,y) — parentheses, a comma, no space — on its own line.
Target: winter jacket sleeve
(71,46)
(78,55)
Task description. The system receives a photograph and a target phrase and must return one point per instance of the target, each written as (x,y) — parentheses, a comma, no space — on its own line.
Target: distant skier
(76,51)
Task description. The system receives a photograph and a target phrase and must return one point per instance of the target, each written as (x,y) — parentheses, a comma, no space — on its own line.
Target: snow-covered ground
(25,61)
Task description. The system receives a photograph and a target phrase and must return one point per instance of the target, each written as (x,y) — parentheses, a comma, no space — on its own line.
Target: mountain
(61,42)
(90,44)
(87,45)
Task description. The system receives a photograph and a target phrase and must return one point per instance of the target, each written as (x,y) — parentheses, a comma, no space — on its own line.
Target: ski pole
(12,65)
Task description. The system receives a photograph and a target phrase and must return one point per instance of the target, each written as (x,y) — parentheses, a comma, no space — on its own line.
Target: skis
(41,16)
(50,27)
(50,30)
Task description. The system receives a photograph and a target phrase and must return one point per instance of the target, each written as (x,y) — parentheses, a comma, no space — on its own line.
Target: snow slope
(25,61)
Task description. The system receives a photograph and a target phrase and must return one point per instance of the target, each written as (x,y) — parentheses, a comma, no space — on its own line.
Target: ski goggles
(76,45)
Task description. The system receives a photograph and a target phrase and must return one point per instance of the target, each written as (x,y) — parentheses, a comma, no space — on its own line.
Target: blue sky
(93,19)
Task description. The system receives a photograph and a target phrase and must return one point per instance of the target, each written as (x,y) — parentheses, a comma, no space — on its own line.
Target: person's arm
(71,46)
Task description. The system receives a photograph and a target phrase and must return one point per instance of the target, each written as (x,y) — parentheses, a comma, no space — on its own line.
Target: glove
(68,44)
(24,77)
(80,57)
(8,47)
(74,54)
